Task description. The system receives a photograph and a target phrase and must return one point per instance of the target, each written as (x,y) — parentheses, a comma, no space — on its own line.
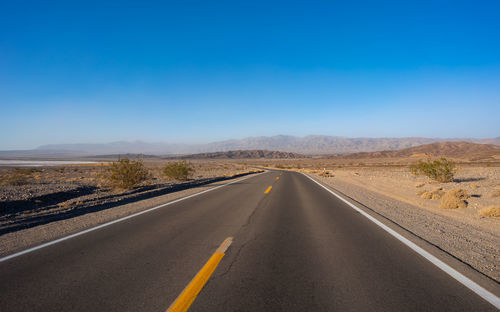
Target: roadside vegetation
(281,166)
(442,170)
(435,194)
(18,176)
(126,174)
(453,199)
(491,211)
(179,170)
(326,174)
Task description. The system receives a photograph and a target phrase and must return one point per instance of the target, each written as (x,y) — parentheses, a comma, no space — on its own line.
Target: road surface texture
(295,248)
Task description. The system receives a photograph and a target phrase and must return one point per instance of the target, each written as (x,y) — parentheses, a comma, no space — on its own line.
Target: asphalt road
(295,248)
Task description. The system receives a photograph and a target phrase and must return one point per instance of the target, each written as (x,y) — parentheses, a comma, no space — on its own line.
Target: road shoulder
(440,237)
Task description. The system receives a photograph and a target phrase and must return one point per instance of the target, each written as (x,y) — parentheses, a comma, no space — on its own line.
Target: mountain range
(310,145)
(243,154)
(462,150)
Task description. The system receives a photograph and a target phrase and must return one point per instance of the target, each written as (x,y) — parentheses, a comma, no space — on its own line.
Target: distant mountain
(321,145)
(242,154)
(317,144)
(128,155)
(462,150)
(310,145)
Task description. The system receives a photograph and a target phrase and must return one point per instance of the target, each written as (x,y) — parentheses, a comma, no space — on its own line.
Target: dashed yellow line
(186,298)
(268,190)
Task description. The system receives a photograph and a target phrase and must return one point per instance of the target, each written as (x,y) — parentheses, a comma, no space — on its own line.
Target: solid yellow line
(186,298)
(268,190)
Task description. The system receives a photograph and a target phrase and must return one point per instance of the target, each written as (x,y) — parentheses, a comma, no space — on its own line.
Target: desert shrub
(454,199)
(460,193)
(326,174)
(441,170)
(281,166)
(436,194)
(126,174)
(421,192)
(180,170)
(491,211)
(496,194)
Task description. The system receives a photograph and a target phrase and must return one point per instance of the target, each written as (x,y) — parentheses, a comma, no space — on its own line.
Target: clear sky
(200,71)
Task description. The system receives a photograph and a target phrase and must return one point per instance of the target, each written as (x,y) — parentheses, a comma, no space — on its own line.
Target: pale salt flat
(40,163)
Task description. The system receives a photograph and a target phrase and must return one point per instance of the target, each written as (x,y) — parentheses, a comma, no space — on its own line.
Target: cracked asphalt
(296,248)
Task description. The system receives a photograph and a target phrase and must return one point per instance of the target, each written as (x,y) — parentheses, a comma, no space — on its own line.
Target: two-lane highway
(295,247)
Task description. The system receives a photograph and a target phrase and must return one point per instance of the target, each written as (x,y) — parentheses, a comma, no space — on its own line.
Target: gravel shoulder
(464,234)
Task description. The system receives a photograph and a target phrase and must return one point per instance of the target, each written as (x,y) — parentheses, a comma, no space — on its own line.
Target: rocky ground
(35,196)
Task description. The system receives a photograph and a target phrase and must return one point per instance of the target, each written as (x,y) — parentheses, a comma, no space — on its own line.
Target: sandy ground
(392,192)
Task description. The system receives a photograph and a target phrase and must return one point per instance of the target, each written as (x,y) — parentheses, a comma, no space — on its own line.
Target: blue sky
(200,71)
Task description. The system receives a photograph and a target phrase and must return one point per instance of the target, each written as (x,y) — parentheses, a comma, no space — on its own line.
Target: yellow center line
(268,190)
(188,295)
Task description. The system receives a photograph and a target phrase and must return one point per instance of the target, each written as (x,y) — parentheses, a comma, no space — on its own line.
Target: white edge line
(480,291)
(117,220)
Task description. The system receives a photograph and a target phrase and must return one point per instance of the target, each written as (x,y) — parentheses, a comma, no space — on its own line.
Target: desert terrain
(45,202)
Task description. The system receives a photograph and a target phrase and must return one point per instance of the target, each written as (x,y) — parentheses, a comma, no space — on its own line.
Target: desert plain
(43,203)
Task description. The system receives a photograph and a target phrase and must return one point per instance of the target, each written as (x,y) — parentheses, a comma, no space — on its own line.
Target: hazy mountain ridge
(242,154)
(445,149)
(311,145)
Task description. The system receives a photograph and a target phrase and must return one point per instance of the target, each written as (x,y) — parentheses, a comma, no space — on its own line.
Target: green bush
(126,173)
(180,170)
(441,170)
